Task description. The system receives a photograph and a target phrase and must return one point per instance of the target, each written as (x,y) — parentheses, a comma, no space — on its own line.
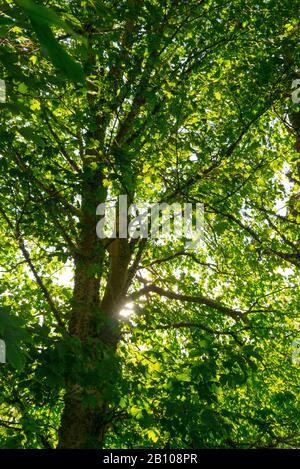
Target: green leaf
(14,335)
(43,16)
(30,134)
(59,57)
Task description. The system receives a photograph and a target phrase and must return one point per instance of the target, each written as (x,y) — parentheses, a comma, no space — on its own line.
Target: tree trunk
(84,426)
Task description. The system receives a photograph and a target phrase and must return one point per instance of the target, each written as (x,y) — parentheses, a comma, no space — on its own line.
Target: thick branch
(202,300)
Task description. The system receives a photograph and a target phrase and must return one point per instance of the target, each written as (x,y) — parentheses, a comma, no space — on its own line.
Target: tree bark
(91,319)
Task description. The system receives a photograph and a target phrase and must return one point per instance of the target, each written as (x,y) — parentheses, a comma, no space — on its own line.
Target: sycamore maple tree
(161,100)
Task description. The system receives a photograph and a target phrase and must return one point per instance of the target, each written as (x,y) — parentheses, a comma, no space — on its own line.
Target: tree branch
(63,151)
(38,279)
(51,191)
(202,300)
(40,283)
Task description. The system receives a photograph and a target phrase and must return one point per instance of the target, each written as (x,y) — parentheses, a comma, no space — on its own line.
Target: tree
(170,101)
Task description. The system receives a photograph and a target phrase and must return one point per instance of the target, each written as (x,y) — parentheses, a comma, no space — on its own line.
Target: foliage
(177,101)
